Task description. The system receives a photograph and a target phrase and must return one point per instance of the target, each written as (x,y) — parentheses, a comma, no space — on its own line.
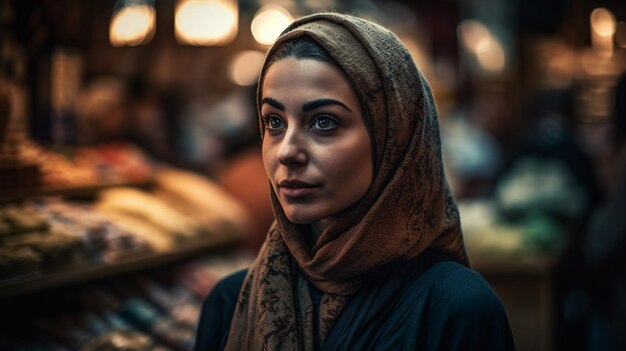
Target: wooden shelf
(85,271)
(81,191)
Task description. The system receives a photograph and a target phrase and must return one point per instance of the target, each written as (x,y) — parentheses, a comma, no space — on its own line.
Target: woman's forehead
(300,76)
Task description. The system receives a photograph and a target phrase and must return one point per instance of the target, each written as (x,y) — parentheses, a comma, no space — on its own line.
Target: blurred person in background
(101,110)
(151,121)
(111,110)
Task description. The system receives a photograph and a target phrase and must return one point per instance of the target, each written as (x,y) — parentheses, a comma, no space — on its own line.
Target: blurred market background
(131,178)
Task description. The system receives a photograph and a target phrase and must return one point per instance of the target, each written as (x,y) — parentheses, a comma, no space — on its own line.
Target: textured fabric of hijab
(407,209)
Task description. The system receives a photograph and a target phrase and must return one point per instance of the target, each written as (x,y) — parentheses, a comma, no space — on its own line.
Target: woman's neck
(317,228)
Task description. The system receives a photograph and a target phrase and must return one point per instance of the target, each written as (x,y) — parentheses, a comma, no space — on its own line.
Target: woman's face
(316,147)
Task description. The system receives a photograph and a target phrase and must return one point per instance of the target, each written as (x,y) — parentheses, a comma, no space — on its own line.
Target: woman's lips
(296,189)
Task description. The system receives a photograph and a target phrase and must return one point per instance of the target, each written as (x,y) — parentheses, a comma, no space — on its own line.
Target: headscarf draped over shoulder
(407,209)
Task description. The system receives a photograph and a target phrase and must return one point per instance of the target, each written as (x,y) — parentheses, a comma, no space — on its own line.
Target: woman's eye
(273,123)
(324,123)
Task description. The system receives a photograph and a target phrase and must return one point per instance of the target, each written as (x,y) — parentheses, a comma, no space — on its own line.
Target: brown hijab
(407,209)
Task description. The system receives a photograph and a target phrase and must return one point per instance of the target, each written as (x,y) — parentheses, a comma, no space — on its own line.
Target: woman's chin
(301,218)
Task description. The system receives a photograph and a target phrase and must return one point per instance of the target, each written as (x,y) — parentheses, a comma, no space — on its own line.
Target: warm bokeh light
(472,32)
(490,54)
(132,25)
(206,22)
(245,67)
(603,22)
(268,23)
(478,40)
(603,27)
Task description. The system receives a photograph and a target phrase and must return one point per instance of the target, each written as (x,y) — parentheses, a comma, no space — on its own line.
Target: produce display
(88,166)
(44,233)
(487,233)
(201,199)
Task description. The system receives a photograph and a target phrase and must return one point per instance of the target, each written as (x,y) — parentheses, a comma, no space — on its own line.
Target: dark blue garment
(418,305)
(217,312)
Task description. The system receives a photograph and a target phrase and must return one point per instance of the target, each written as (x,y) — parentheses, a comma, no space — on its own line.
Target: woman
(366,251)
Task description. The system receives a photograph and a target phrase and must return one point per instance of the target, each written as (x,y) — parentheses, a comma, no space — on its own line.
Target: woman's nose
(292,150)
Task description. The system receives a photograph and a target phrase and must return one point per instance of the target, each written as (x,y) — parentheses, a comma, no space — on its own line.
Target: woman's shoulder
(457,288)
(217,311)
(459,281)
(229,285)
(226,290)
(464,303)
(431,303)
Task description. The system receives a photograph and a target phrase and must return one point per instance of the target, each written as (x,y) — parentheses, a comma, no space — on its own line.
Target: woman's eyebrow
(311,105)
(273,102)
